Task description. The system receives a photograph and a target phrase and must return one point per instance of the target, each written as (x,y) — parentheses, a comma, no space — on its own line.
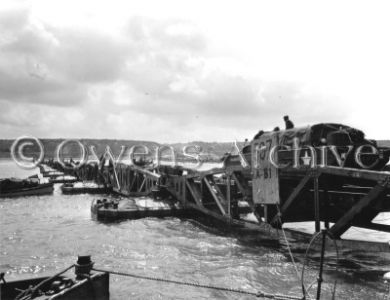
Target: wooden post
(134,175)
(326,205)
(266,214)
(228,195)
(184,190)
(316,203)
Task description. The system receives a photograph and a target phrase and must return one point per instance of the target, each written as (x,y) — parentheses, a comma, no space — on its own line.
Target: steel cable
(300,279)
(198,285)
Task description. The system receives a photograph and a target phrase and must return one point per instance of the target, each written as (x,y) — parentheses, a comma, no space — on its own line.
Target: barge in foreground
(86,285)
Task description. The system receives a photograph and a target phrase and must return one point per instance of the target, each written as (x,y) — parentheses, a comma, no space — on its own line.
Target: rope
(31,291)
(300,279)
(193,284)
(288,245)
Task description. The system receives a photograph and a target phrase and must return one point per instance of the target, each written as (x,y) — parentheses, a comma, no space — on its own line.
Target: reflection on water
(41,235)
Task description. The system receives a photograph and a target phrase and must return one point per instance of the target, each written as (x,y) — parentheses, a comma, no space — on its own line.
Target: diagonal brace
(345,221)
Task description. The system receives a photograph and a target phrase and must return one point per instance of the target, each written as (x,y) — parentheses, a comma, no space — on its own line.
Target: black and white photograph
(194,149)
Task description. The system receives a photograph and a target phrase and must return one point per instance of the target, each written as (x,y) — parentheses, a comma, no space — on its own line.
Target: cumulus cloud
(89,56)
(159,75)
(42,64)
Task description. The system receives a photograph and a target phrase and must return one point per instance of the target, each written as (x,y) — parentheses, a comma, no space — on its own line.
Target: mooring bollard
(83,266)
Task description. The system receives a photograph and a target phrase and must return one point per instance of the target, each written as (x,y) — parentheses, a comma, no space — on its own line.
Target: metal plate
(265,175)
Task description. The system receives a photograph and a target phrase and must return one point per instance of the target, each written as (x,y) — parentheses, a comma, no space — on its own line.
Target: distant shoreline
(212,149)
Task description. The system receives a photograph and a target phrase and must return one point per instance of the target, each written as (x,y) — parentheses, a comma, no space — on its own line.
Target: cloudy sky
(191,70)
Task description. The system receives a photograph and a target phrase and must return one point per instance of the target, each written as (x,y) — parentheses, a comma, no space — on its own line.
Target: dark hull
(97,288)
(84,190)
(42,189)
(129,209)
(63,180)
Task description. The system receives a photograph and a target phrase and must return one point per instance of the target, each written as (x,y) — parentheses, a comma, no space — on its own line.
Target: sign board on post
(265,181)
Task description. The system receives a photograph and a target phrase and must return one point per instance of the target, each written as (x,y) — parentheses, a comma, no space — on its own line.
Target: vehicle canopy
(324,134)
(321,134)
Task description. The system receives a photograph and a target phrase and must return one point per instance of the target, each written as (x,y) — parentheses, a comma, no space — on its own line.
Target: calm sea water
(42,235)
